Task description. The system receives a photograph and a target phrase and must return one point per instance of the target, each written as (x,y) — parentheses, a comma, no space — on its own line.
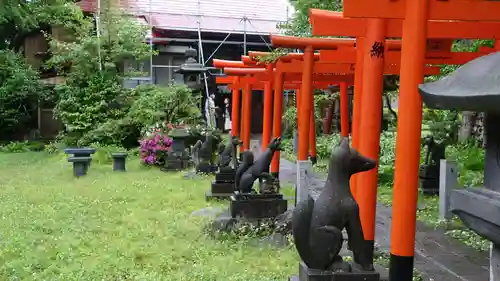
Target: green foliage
(470,239)
(54,147)
(19,18)
(442,124)
(174,104)
(93,102)
(290,114)
(249,230)
(299,24)
(24,146)
(103,153)
(84,109)
(152,107)
(470,160)
(273,56)
(20,91)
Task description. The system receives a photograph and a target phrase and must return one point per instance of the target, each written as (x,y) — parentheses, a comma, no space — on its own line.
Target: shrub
(154,148)
(92,99)
(174,104)
(20,89)
(24,146)
(148,106)
(103,153)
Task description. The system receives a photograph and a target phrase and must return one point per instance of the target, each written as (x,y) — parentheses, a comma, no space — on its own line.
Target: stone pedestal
(80,165)
(206,168)
(223,186)
(176,163)
(448,181)
(79,153)
(429,179)
(304,173)
(494,262)
(257,206)
(225,175)
(119,160)
(307,274)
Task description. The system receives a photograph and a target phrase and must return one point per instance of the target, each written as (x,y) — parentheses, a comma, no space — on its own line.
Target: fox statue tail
(301,222)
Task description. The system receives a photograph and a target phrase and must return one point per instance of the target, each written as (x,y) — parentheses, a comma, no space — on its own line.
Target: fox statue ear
(344,143)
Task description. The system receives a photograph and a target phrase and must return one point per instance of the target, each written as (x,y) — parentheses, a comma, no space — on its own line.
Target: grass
(117,226)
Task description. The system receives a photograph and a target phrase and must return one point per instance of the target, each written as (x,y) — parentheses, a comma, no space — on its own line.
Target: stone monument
(317,225)
(267,202)
(177,158)
(475,86)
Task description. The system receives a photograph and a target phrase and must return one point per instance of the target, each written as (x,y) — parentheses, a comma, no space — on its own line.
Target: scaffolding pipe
(218,47)
(98,33)
(150,45)
(200,48)
(261,37)
(245,35)
(187,40)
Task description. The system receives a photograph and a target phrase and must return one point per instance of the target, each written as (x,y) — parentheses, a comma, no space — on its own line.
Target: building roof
(236,16)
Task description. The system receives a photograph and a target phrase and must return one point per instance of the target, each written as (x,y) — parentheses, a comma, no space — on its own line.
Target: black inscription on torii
(377,50)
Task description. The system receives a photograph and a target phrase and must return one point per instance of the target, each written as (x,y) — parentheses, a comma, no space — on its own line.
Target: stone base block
(219,196)
(176,165)
(206,168)
(429,186)
(307,274)
(223,187)
(257,206)
(225,175)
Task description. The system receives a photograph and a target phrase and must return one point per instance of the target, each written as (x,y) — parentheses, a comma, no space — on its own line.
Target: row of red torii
(429,28)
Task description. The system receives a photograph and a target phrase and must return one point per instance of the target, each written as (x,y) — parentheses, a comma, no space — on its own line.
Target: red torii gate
(293,80)
(290,64)
(416,15)
(286,70)
(333,74)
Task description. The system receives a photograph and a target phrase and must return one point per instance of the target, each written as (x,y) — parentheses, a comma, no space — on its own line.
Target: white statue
(211,111)
(227,118)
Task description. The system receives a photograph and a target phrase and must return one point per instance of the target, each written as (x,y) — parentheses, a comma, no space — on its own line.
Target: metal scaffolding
(248,29)
(200,41)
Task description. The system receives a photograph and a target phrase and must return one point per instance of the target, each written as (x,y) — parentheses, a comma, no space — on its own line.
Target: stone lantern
(476,87)
(191,69)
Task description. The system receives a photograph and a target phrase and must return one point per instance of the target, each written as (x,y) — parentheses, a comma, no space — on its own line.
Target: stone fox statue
(225,154)
(206,149)
(260,168)
(195,152)
(317,226)
(246,163)
(220,152)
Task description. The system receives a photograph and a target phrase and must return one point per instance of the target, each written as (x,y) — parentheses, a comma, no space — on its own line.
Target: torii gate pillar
(404,204)
(369,144)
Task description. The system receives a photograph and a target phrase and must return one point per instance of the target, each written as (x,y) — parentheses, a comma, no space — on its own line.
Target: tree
(21,18)
(19,92)
(93,93)
(299,24)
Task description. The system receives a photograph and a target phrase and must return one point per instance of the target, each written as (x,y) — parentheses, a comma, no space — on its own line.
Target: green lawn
(117,226)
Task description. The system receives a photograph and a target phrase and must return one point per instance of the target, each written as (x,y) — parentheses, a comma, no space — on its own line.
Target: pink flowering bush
(154,148)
